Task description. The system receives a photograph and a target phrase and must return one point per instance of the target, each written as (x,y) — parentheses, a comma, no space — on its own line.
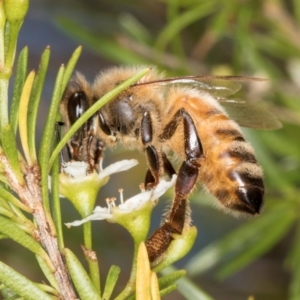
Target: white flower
(81,187)
(78,169)
(130,205)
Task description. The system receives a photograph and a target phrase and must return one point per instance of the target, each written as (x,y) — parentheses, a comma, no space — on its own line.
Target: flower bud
(2,16)
(15,10)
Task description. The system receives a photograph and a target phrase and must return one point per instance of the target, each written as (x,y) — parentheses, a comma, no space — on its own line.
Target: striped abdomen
(229,169)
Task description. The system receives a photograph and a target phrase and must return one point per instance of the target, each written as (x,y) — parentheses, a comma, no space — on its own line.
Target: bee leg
(103,125)
(168,168)
(178,216)
(153,156)
(188,172)
(149,179)
(90,144)
(76,143)
(100,146)
(94,146)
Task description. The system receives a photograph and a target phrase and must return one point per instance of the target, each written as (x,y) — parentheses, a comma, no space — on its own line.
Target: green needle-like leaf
(200,10)
(293,259)
(250,253)
(48,134)
(70,68)
(23,118)
(168,290)
(20,284)
(10,229)
(21,74)
(135,29)
(91,257)
(35,100)
(2,30)
(12,199)
(169,279)
(293,263)
(111,281)
(47,272)
(154,288)
(186,287)
(9,145)
(191,291)
(105,46)
(173,12)
(294,287)
(80,278)
(143,274)
(245,237)
(5,212)
(56,208)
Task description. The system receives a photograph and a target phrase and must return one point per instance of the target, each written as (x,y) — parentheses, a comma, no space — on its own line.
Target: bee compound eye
(77,105)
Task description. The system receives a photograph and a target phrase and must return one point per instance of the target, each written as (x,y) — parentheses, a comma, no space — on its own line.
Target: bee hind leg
(178,215)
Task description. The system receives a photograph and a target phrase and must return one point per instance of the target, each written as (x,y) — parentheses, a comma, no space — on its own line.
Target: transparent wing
(246,114)
(217,86)
(252,115)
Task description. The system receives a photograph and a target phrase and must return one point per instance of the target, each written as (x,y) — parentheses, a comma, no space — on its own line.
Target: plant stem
(30,194)
(3,102)
(91,256)
(87,235)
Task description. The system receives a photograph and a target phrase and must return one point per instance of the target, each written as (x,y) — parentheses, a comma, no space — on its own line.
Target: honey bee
(182,116)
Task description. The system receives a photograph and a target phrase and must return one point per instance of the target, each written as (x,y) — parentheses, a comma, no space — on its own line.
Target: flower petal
(162,187)
(99,213)
(119,166)
(76,169)
(133,203)
(138,200)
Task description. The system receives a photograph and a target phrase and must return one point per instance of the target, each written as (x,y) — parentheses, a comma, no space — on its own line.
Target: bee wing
(217,86)
(252,115)
(220,87)
(214,86)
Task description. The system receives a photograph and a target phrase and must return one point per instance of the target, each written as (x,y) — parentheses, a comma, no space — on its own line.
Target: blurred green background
(233,258)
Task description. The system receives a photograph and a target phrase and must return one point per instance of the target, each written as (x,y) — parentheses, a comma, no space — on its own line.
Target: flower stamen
(121,195)
(110,203)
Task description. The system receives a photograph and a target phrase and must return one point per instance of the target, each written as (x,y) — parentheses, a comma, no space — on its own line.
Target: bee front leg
(178,216)
(153,156)
(91,153)
(75,145)
(100,147)
(94,150)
